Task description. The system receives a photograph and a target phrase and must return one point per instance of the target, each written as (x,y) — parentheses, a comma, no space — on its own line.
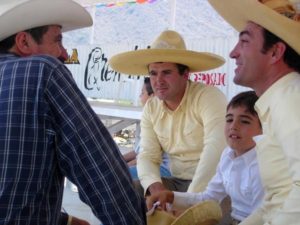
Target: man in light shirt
(184,119)
(267,58)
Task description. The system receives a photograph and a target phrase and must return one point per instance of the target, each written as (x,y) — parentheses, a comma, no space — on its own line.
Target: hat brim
(204,213)
(136,62)
(29,14)
(238,13)
(160,218)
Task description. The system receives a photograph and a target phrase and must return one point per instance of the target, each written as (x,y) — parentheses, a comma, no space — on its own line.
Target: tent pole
(93,14)
(173,15)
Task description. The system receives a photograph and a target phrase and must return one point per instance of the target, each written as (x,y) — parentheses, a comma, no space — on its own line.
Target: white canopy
(127,22)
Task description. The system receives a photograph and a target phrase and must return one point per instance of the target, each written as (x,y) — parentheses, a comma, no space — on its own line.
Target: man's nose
(64,54)
(234,52)
(159,78)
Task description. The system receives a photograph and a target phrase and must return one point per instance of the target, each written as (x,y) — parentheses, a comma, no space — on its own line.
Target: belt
(234,221)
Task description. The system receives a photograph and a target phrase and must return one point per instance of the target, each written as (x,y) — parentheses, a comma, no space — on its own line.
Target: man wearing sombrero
(184,119)
(268,60)
(48,131)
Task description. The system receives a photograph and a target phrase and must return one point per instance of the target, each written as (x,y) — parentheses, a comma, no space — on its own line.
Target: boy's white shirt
(237,177)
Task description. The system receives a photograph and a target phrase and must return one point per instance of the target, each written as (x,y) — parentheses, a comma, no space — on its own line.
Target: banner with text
(96,79)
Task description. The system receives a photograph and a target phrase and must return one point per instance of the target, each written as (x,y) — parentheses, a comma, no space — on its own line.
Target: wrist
(70,218)
(156,187)
(171,197)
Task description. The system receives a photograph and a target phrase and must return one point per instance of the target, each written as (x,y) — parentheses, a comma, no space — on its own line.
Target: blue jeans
(164,172)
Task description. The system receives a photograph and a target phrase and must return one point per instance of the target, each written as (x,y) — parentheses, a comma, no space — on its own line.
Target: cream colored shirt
(278,153)
(192,135)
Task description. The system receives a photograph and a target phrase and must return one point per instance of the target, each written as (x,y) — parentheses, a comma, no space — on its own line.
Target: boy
(237,172)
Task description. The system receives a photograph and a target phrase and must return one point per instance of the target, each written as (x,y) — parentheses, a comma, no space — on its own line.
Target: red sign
(215,79)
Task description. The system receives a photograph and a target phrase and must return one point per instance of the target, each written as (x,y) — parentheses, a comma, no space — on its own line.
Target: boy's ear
(23,43)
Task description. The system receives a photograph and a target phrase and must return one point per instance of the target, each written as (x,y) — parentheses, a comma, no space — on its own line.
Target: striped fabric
(49,131)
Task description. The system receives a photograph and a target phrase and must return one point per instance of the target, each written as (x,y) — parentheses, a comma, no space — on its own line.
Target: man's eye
(245,122)
(243,41)
(167,72)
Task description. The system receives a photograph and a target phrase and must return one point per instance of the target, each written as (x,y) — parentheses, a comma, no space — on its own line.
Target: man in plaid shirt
(47,128)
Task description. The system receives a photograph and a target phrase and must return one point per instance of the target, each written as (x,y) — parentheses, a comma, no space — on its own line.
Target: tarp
(128,25)
(142,22)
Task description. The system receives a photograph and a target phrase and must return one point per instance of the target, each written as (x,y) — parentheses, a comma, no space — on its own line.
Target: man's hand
(163,197)
(156,188)
(77,221)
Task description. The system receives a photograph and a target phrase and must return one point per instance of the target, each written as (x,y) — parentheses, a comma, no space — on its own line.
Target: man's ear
(278,51)
(23,44)
(186,74)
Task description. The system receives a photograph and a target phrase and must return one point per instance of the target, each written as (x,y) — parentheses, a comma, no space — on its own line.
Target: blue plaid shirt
(49,131)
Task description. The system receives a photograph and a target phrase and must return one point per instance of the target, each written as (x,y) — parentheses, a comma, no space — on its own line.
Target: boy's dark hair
(148,86)
(246,99)
(290,57)
(36,33)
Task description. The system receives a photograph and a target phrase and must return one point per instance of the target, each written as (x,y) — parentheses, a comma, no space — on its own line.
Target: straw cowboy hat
(204,213)
(277,16)
(168,47)
(20,15)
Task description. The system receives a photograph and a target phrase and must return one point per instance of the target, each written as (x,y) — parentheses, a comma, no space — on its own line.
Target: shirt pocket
(193,135)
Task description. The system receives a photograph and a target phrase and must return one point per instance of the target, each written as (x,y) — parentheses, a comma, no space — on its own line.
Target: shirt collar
(7,56)
(262,105)
(248,156)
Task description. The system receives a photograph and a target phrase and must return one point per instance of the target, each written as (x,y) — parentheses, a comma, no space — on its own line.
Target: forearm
(207,165)
(184,200)
(129,156)
(132,162)
(148,171)
(213,118)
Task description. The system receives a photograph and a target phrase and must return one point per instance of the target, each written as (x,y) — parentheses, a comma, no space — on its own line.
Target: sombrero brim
(239,12)
(136,62)
(204,213)
(29,14)
(160,218)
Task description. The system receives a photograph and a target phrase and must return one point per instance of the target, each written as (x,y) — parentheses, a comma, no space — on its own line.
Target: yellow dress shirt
(192,135)
(278,153)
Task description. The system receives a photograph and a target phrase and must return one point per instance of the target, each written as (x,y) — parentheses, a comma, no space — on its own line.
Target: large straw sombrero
(168,47)
(160,218)
(20,15)
(204,213)
(277,16)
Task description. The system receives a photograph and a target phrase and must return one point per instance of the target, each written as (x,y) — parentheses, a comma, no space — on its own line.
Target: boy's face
(144,95)
(240,128)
